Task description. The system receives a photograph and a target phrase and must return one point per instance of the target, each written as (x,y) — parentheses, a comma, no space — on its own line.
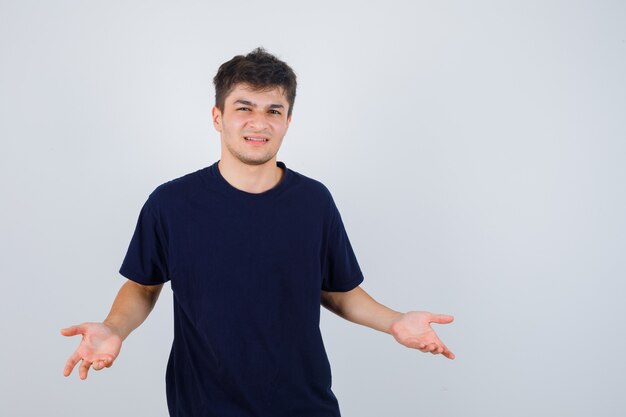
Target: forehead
(275,95)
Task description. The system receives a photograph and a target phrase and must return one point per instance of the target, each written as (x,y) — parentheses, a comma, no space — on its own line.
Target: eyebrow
(251,104)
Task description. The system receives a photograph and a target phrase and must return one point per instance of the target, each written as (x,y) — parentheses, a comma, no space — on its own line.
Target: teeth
(256,139)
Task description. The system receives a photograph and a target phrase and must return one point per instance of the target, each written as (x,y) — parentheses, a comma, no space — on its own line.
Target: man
(251,249)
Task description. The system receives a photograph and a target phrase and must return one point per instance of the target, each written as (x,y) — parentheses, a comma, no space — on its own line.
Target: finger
(425,349)
(448,354)
(441,319)
(73,330)
(420,346)
(84,369)
(101,364)
(437,350)
(97,365)
(71,362)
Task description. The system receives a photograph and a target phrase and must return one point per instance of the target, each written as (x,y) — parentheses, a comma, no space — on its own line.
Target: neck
(250,178)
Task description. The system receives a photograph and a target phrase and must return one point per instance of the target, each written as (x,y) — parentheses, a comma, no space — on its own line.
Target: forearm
(359,307)
(131,307)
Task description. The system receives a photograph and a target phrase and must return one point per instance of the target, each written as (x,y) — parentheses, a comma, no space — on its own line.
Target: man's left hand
(412,329)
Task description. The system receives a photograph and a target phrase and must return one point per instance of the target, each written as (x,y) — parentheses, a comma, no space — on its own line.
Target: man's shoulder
(310,185)
(184,185)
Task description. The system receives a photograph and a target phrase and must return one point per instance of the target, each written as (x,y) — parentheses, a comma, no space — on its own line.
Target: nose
(258,121)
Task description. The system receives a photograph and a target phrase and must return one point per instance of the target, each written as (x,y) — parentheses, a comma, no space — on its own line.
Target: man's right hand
(98,349)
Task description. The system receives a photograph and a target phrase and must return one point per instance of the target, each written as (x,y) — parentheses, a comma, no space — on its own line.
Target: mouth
(256,138)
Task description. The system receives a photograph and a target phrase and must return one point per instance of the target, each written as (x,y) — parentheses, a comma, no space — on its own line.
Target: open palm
(98,349)
(413,330)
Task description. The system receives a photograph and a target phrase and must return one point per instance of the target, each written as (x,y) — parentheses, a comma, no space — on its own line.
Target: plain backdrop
(476,151)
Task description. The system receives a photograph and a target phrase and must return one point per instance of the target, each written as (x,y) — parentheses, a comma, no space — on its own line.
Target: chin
(256,161)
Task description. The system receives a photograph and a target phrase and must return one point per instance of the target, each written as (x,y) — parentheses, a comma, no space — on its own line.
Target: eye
(244,108)
(273,111)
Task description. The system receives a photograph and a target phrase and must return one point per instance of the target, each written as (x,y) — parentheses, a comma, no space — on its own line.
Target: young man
(252,249)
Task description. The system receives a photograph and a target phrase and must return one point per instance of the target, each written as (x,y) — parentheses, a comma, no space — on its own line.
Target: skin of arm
(359,307)
(131,307)
(411,329)
(101,342)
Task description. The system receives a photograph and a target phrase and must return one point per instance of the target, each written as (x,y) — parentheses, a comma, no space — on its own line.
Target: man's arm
(102,342)
(131,307)
(359,307)
(411,329)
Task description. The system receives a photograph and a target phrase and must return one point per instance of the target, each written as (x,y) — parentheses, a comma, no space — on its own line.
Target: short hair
(260,70)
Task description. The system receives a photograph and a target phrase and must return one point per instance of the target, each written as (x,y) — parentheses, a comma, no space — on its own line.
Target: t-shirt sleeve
(341,271)
(146,258)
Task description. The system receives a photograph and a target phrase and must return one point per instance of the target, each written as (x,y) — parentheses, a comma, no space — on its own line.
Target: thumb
(441,319)
(73,330)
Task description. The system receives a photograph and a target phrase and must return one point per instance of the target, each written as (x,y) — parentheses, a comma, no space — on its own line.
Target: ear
(216,116)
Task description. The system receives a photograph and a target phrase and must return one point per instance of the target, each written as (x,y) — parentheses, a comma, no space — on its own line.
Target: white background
(476,151)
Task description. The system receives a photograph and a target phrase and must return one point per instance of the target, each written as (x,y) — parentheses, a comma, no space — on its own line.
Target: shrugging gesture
(98,348)
(412,329)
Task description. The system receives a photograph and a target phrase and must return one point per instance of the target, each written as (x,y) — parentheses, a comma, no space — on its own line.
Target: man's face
(253,124)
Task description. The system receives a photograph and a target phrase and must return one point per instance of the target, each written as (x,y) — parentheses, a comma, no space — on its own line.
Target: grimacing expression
(253,123)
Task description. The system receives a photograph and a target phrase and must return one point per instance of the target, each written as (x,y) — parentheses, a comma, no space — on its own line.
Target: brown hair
(260,70)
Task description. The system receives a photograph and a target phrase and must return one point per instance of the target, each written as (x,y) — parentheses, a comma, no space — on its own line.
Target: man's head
(254,97)
(258,70)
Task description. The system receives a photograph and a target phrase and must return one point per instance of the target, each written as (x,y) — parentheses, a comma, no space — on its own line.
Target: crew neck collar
(228,187)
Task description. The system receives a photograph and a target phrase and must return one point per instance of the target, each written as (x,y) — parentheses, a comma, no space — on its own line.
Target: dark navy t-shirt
(246,272)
